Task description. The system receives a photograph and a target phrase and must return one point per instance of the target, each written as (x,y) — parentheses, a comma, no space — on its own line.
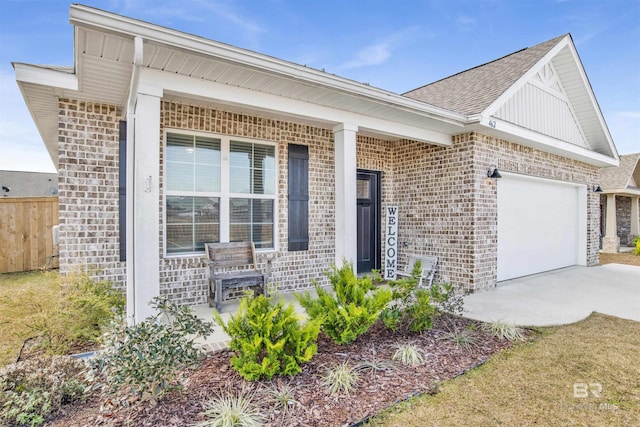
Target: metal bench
(241,257)
(428,266)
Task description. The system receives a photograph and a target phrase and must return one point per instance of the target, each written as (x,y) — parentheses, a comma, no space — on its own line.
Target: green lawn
(587,373)
(22,295)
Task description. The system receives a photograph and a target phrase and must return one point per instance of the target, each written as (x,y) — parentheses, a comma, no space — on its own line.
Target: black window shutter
(122,189)
(298,197)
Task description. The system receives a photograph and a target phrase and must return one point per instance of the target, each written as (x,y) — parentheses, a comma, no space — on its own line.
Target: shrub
(85,307)
(636,242)
(351,309)
(143,361)
(33,390)
(413,307)
(268,338)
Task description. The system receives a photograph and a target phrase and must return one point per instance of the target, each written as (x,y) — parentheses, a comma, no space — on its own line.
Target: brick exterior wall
(88,189)
(448,207)
(184,277)
(623,218)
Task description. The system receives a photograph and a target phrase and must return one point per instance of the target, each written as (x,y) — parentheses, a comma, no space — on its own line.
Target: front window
(212,199)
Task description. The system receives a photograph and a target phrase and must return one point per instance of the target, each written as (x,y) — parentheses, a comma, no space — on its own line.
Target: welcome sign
(391,243)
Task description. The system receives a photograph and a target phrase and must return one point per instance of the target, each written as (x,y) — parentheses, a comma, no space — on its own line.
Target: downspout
(131,161)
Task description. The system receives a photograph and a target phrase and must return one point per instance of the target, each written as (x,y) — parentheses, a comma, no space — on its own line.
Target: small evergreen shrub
(636,242)
(414,308)
(352,308)
(411,306)
(35,389)
(143,361)
(268,338)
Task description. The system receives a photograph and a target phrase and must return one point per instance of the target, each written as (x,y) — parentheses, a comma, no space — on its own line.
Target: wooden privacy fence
(26,239)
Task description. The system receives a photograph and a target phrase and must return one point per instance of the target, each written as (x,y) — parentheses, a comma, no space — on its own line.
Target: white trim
(224,193)
(260,101)
(39,75)
(499,128)
(542,179)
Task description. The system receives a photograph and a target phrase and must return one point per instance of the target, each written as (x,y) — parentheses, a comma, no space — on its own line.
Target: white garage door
(541,225)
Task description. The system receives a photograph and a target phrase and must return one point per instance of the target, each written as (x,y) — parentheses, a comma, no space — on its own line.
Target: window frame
(225,195)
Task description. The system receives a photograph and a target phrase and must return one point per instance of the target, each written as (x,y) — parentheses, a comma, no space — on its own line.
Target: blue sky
(395,45)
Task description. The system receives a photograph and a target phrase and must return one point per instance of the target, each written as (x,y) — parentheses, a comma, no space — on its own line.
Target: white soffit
(184,54)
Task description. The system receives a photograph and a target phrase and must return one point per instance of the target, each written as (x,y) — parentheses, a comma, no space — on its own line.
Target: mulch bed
(376,390)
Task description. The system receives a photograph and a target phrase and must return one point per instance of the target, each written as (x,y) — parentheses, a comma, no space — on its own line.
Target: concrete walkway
(560,297)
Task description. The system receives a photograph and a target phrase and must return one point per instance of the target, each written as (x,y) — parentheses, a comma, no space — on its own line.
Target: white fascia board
(86,16)
(45,76)
(207,90)
(510,132)
(622,192)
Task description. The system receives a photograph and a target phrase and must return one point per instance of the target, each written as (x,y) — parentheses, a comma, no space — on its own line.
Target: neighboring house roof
(28,184)
(624,178)
(112,51)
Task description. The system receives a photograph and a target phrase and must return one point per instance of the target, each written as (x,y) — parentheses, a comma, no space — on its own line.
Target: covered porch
(619,204)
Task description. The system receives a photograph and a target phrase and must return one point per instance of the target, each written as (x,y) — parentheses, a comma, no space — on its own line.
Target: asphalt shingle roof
(472,91)
(617,177)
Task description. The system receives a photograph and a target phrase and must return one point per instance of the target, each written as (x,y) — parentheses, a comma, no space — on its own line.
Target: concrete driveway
(560,297)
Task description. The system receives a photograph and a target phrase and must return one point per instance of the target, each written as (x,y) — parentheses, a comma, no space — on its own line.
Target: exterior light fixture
(493,172)
(597,189)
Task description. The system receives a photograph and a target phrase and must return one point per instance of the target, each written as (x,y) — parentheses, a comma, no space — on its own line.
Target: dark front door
(368,193)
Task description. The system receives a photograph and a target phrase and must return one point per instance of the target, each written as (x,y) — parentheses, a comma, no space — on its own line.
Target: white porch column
(635,218)
(611,241)
(344,136)
(143,251)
